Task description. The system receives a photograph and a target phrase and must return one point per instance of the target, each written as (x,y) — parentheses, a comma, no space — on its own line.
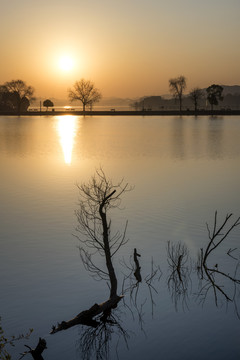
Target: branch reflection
(180,269)
(212,278)
(95,342)
(141,290)
(101,324)
(94,234)
(223,284)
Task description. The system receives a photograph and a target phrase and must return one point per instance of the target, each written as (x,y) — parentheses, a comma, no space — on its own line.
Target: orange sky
(128,48)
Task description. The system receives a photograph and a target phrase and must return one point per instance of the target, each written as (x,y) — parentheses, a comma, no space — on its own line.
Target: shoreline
(126,113)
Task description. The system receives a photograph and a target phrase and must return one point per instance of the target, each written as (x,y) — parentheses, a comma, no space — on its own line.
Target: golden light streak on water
(67,128)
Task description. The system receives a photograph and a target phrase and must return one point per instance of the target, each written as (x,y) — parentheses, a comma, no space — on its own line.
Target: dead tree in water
(96,342)
(179,278)
(88,317)
(137,272)
(134,284)
(212,274)
(37,352)
(96,198)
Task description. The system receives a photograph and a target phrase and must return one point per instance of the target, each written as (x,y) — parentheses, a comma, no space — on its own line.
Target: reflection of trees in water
(97,339)
(197,138)
(178,138)
(101,323)
(97,198)
(96,238)
(23,136)
(17,136)
(94,233)
(215,137)
(185,137)
(223,285)
(180,269)
(211,276)
(140,287)
(106,329)
(94,342)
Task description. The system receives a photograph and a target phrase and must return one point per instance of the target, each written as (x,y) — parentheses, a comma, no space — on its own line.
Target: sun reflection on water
(67,128)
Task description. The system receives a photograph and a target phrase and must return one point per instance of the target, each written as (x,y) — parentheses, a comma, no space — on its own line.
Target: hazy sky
(129,48)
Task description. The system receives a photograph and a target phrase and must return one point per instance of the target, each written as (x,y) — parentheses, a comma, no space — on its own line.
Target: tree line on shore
(197,97)
(16,96)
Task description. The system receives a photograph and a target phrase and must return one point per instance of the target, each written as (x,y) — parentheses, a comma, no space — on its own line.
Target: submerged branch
(86,317)
(216,237)
(37,352)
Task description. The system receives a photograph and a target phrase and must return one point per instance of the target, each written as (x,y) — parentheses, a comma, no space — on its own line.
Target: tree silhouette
(212,274)
(177,87)
(196,95)
(86,92)
(48,103)
(19,94)
(96,198)
(214,94)
(179,278)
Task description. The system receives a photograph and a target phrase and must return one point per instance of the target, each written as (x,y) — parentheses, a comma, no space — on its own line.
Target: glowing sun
(66,63)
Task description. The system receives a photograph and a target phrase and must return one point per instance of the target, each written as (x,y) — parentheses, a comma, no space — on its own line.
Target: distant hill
(231,89)
(231,100)
(115,102)
(231,95)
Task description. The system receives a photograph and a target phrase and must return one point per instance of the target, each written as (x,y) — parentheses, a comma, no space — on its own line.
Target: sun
(66,63)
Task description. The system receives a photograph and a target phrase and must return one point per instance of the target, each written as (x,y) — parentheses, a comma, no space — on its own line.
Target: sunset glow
(66,63)
(136,58)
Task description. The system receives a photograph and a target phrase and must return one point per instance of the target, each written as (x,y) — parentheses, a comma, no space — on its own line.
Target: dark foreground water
(182,171)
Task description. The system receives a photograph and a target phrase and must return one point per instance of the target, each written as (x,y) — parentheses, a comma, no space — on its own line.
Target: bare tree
(20,94)
(212,274)
(95,342)
(133,283)
(97,197)
(196,95)
(86,92)
(179,278)
(37,352)
(177,87)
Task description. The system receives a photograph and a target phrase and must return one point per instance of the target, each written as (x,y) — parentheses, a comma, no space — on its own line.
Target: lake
(181,171)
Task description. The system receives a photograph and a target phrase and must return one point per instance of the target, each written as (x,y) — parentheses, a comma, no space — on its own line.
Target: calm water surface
(182,170)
